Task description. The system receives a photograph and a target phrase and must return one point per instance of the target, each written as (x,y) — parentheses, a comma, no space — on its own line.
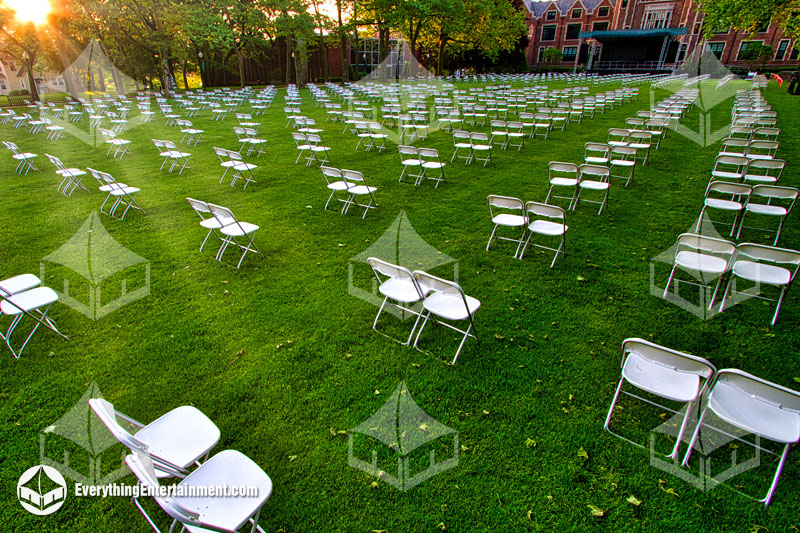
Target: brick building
(639,35)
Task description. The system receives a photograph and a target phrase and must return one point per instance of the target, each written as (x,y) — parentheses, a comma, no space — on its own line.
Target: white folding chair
(770,201)
(120,146)
(481,145)
(399,288)
(508,212)
(724,196)
(761,150)
(206,222)
(708,256)
(596,153)
(319,152)
(334,182)
(762,265)
(562,174)
(34,303)
(121,193)
(462,141)
(410,159)
(241,169)
(432,166)
(357,187)
(641,141)
(755,406)
(547,220)
(168,150)
(447,301)
(176,441)
(234,231)
(191,135)
(663,372)
(24,159)
(622,162)
(764,171)
(71,178)
(248,137)
(195,513)
(593,178)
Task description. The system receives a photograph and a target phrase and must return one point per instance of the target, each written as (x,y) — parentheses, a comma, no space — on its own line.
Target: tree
(553,56)
(21,41)
(756,55)
(750,15)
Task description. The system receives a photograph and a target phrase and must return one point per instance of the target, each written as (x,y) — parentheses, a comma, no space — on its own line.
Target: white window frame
(741,44)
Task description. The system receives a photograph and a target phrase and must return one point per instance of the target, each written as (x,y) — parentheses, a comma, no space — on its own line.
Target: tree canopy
(751,15)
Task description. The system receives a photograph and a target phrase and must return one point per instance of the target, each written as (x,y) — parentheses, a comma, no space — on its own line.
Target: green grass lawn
(283,359)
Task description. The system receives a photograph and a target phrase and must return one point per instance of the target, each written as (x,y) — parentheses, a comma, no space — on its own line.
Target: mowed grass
(283,359)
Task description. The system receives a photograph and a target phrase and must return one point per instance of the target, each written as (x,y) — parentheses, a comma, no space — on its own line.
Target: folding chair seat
(708,256)
(168,150)
(71,178)
(19,283)
(761,150)
(462,142)
(618,137)
(24,159)
(241,169)
(596,153)
(319,152)
(755,406)
(234,231)
(562,174)
(734,147)
(641,141)
(357,187)
(209,222)
(764,171)
(334,182)
(481,145)
(546,220)
(499,132)
(447,301)
(668,374)
(176,441)
(194,513)
(35,303)
(725,196)
(593,178)
(770,201)
(411,160)
(122,194)
(507,212)
(729,167)
(120,146)
(399,288)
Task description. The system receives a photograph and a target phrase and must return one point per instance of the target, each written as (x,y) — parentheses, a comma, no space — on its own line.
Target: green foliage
(750,15)
(553,56)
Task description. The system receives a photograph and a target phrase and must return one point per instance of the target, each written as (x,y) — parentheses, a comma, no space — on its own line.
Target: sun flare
(35,11)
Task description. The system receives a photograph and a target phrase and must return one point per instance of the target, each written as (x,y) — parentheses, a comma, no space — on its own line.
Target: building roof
(538,8)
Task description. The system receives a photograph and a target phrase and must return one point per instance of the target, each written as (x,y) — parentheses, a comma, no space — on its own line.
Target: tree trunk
(240,58)
(440,60)
(343,44)
(288,60)
(31,80)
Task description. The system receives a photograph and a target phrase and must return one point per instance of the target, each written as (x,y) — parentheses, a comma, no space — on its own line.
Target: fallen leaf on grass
(596,511)
(530,443)
(583,454)
(633,500)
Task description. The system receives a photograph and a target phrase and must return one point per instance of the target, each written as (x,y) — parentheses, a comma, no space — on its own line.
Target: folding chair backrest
(560,168)
(460,135)
(623,153)
(199,206)
(769,254)
(756,388)
(393,271)
(738,146)
(705,244)
(766,167)
(222,153)
(107,414)
(234,155)
(169,145)
(250,132)
(299,138)
(313,138)
(776,192)
(731,160)
(596,147)
(430,153)
(667,357)
(505,202)
(329,172)
(443,286)
(405,150)
(763,147)
(479,136)
(352,175)
(594,172)
(641,137)
(56,161)
(224,215)
(727,187)
(545,210)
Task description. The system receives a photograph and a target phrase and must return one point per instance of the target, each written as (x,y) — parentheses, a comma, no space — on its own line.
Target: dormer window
(551,15)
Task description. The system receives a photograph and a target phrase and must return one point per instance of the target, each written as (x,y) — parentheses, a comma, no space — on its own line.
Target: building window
(21,83)
(656,18)
(781,50)
(746,50)
(697,28)
(602,12)
(541,54)
(763,26)
(600,26)
(794,54)
(573,30)
(682,52)
(720,30)
(549,32)
(2,85)
(551,15)
(624,3)
(576,13)
(716,49)
(570,53)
